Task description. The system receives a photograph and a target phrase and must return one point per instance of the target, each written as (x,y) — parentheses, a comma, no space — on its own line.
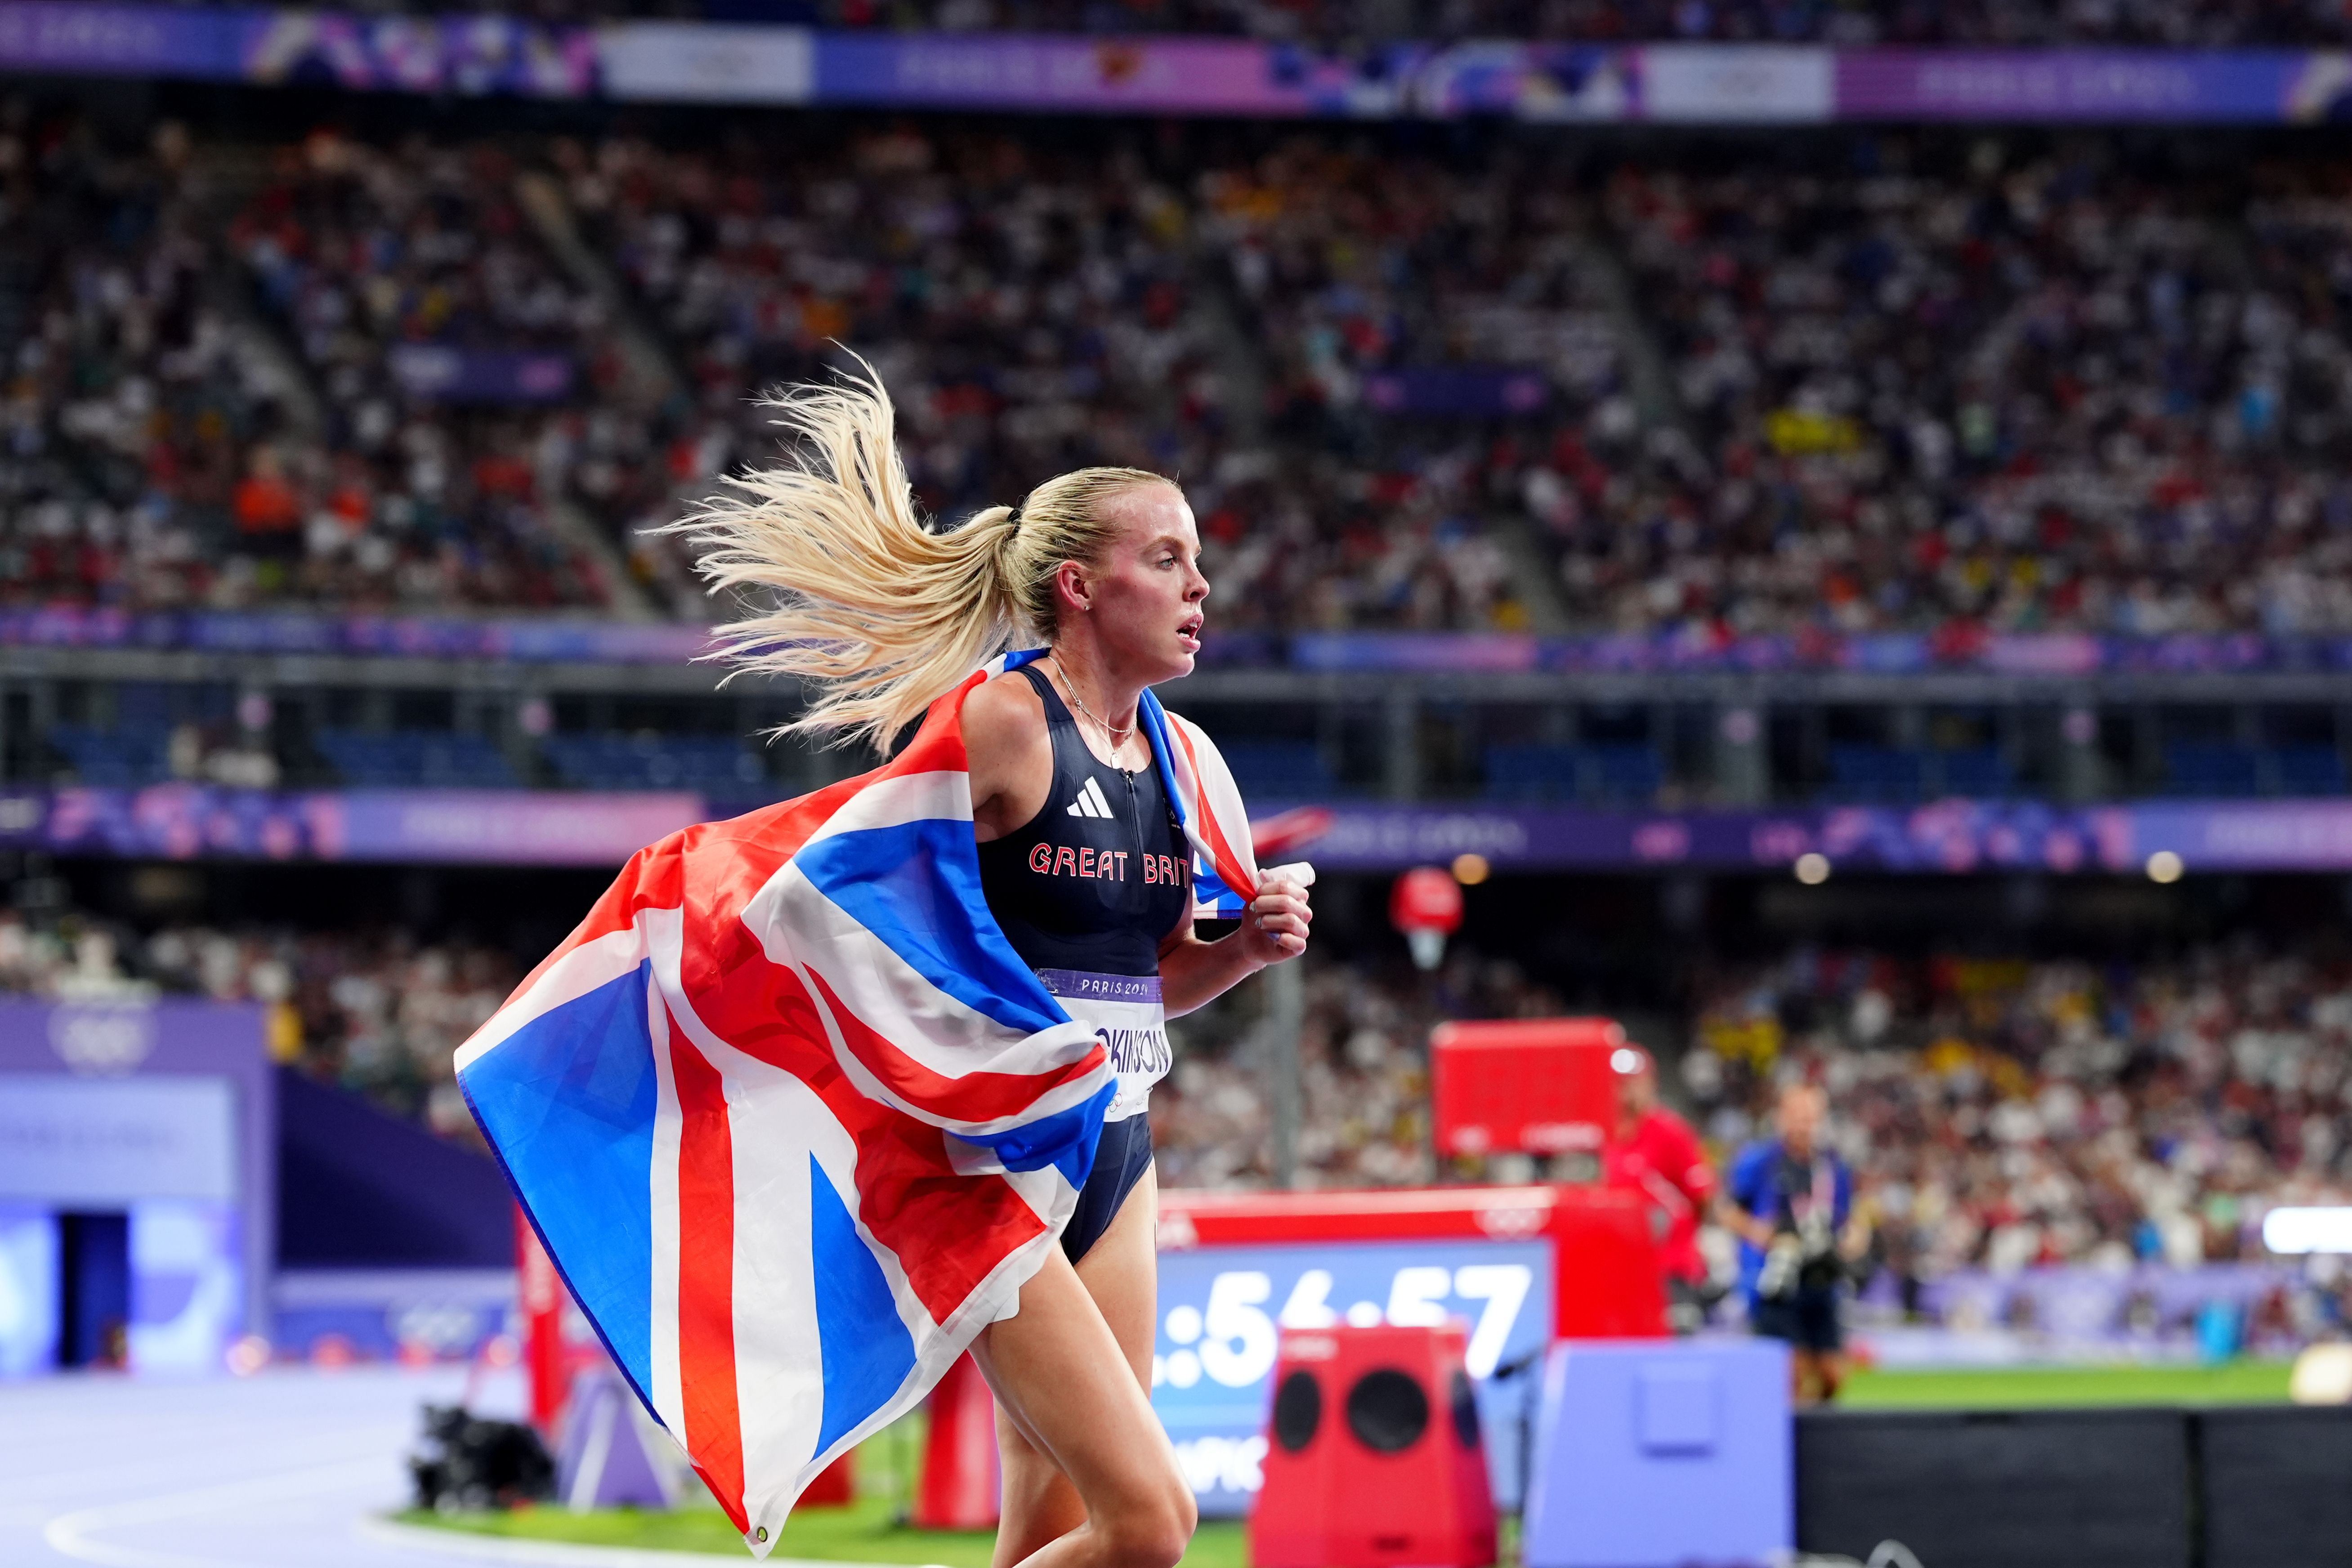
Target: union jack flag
(793,1119)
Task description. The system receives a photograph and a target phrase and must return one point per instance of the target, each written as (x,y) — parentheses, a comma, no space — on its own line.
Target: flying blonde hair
(878,614)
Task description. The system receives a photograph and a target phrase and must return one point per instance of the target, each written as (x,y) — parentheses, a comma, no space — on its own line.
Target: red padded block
(835,1486)
(1373,1459)
(960,1489)
(1536,1086)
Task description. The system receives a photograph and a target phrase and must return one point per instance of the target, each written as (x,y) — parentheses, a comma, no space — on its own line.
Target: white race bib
(1126,1015)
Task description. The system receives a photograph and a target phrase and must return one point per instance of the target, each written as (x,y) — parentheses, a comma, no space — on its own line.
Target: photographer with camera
(1790,1200)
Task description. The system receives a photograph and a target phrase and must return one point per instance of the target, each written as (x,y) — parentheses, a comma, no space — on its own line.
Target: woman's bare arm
(1193,973)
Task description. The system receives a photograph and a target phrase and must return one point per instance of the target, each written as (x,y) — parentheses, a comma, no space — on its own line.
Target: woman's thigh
(1121,1272)
(1066,1384)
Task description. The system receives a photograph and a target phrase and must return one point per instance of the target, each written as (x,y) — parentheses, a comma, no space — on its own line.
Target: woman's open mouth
(1189,634)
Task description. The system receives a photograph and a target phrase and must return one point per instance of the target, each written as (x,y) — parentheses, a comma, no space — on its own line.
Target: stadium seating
(1449,391)
(1278,770)
(2205,769)
(1982,773)
(114,758)
(2308,769)
(416,759)
(1875,775)
(649,760)
(1613,774)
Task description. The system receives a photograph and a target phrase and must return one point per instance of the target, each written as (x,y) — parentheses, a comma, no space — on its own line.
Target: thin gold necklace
(1118,736)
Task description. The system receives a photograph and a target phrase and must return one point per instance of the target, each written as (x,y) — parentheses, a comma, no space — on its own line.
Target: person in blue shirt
(1790,1200)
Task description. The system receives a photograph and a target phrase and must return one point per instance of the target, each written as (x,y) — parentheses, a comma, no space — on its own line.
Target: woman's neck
(1102,696)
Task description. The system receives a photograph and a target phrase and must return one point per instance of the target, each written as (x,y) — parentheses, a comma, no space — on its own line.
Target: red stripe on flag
(648,881)
(1228,864)
(948,1231)
(976,1097)
(706,1278)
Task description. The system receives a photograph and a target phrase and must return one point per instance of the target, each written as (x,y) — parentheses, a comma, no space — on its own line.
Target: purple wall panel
(171,1037)
(525,827)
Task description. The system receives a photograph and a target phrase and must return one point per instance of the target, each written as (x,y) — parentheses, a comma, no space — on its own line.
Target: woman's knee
(1153,1531)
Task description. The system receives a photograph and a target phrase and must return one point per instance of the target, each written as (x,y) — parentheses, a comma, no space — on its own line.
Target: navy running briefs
(1121,1159)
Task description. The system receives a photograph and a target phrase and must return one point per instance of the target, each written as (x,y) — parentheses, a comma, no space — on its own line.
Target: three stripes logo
(1090,800)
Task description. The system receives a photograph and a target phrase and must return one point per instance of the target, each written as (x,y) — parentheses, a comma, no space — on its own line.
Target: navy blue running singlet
(1086,891)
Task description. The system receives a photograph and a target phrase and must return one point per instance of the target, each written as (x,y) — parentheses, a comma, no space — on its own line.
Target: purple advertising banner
(438,373)
(122,40)
(2062,654)
(2151,1309)
(531,641)
(1949,837)
(1475,390)
(475,56)
(690,63)
(183,822)
(2105,85)
(1205,76)
(2315,836)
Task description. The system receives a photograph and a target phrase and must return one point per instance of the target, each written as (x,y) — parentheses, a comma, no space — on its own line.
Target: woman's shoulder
(1003,716)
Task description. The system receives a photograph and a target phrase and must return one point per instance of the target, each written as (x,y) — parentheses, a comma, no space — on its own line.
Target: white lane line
(553,1553)
(69,1534)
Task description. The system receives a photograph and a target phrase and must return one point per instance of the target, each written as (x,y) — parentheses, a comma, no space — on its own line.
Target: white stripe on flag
(774,1124)
(666,938)
(889,803)
(568,978)
(749,1076)
(889,996)
(778,1359)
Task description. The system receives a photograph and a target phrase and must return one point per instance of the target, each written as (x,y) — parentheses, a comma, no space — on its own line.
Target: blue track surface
(274,1471)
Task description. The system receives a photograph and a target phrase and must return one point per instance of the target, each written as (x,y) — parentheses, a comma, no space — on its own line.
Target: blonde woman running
(1081,863)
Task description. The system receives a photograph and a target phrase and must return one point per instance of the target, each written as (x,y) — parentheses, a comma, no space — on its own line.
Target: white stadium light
(2308,1230)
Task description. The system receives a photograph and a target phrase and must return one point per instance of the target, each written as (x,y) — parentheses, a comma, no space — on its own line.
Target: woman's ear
(1072,586)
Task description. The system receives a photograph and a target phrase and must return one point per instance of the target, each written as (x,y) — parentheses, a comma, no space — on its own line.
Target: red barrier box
(1373,1456)
(1533,1086)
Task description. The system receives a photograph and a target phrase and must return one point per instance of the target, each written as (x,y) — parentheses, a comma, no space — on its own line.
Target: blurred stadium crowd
(2172,22)
(1893,381)
(1998,1113)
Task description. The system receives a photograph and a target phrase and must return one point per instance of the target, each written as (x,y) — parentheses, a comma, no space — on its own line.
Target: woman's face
(1143,598)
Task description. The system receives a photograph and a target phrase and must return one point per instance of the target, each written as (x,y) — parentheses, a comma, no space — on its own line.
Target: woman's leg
(1089,1478)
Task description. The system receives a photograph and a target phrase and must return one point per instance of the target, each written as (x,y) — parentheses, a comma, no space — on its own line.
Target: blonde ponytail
(875,611)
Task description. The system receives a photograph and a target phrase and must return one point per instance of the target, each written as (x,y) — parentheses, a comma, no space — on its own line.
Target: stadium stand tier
(1853,383)
(2164,23)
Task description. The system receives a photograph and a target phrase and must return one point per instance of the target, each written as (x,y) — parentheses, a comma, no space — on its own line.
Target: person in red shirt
(1655,1152)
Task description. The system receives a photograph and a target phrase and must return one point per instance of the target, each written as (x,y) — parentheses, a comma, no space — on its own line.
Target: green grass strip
(2023,1388)
(865,1532)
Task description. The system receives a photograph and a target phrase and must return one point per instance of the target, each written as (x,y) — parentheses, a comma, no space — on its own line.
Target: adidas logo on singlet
(1090,800)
